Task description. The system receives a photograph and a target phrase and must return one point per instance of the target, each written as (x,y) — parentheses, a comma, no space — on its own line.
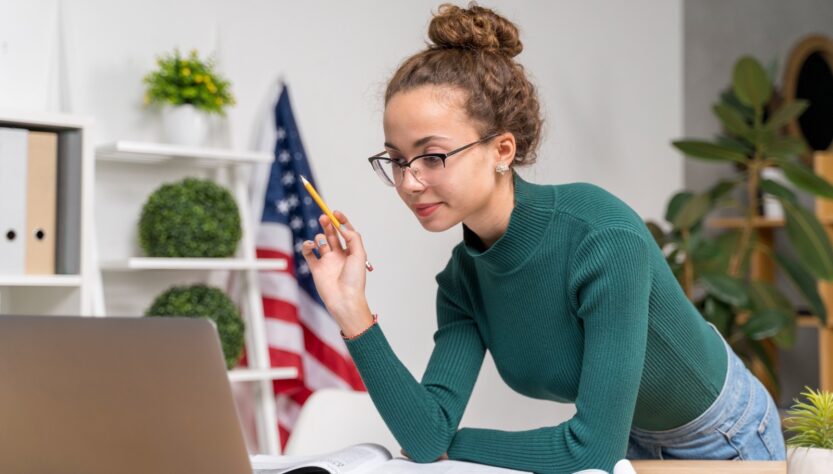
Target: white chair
(333,419)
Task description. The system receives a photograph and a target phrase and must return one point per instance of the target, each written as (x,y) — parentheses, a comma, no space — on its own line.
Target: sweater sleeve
(609,290)
(423,417)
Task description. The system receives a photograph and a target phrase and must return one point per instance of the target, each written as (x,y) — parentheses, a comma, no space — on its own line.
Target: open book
(372,458)
(364,459)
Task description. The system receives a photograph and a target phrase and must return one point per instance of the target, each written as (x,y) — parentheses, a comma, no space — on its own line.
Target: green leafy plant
(811,422)
(191,218)
(201,301)
(191,80)
(714,268)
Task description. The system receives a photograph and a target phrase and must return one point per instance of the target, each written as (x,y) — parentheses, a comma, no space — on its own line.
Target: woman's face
(431,119)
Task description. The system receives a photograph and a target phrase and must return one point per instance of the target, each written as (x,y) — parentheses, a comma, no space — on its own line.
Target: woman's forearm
(423,416)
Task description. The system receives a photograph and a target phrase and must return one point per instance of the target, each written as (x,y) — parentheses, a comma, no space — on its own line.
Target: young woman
(563,284)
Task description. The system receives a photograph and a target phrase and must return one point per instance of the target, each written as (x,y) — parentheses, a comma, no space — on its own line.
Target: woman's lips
(427,210)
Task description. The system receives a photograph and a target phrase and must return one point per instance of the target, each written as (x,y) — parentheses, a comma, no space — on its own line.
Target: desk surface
(710,467)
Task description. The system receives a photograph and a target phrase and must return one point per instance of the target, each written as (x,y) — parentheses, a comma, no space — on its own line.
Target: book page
(358,459)
(404,466)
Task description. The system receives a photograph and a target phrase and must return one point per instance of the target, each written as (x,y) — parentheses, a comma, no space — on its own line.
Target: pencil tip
(303,179)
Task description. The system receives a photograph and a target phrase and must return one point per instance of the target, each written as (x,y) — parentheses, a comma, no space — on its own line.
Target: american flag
(299,331)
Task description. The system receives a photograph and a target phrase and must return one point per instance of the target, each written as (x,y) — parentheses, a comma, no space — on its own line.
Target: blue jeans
(742,423)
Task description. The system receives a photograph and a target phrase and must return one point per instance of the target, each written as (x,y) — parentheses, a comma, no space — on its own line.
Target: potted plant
(201,301)
(714,267)
(187,88)
(192,218)
(810,449)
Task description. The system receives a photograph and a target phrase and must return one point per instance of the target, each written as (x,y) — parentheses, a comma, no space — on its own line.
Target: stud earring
(502,168)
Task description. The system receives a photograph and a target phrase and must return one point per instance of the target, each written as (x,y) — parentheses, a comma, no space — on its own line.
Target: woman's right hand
(340,273)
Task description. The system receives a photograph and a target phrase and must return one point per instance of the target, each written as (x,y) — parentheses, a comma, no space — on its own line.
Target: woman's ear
(505,146)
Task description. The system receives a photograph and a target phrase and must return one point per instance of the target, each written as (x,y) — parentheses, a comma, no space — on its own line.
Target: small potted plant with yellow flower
(188,88)
(810,449)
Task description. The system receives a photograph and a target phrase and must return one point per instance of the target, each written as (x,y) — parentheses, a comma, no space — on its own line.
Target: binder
(14,143)
(40,203)
(68,238)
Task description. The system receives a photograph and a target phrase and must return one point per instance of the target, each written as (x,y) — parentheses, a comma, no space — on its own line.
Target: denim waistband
(735,386)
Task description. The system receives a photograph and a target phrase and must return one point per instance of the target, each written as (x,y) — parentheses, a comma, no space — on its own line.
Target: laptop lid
(105,395)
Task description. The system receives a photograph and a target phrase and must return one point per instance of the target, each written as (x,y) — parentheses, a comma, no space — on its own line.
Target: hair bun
(474,28)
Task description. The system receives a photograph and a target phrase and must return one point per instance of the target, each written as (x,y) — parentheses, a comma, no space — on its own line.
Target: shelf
(758,222)
(147,153)
(808,321)
(151,263)
(35,119)
(40,280)
(255,375)
(738,222)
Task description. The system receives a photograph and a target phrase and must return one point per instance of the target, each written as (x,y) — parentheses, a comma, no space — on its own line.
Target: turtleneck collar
(534,206)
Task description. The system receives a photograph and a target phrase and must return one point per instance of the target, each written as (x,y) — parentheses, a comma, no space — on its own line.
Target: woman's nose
(413,183)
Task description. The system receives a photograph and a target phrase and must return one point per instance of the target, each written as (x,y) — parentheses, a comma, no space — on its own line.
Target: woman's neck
(492,221)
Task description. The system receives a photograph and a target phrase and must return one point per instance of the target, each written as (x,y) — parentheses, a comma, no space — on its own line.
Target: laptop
(116,395)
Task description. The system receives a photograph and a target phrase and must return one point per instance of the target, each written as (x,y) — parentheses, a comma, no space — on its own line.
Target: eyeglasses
(425,168)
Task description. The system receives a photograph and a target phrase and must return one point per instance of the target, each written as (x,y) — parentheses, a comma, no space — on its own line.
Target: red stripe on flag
(280,309)
(281,358)
(272,253)
(332,359)
(285,358)
(284,435)
(275,253)
(300,396)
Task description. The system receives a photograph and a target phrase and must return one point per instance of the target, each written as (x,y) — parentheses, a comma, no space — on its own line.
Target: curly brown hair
(472,49)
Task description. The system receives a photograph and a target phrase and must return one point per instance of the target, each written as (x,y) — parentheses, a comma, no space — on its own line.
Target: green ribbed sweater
(576,303)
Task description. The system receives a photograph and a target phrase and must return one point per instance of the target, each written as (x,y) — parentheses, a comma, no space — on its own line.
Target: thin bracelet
(375,319)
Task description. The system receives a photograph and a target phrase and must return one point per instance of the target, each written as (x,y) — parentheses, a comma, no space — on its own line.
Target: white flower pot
(184,125)
(809,460)
(772,206)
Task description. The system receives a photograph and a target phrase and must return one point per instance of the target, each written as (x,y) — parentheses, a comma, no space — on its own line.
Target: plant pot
(809,460)
(184,125)
(772,206)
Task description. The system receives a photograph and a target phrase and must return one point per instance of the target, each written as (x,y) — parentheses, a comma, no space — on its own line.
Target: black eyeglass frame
(442,156)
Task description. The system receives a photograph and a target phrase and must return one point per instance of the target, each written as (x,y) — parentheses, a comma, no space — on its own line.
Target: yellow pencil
(327,211)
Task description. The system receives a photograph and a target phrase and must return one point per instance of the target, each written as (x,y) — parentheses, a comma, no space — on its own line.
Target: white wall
(608,72)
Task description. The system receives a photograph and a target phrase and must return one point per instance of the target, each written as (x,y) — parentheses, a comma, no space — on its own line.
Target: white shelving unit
(63,293)
(57,281)
(140,152)
(152,263)
(254,375)
(234,165)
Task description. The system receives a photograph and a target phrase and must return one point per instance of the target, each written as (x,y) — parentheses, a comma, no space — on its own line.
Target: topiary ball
(192,218)
(201,301)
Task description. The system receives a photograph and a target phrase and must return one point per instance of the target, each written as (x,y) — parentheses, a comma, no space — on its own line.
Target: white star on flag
(307,200)
(281,133)
(296,223)
(283,156)
(288,178)
(303,268)
(293,201)
(283,206)
(299,245)
(312,223)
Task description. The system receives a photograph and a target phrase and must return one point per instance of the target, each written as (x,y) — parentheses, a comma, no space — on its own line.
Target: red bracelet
(375,319)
